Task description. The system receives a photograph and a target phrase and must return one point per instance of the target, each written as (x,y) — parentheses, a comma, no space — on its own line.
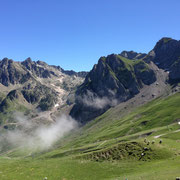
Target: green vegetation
(109,147)
(46,103)
(7,109)
(68,169)
(172,135)
(158,113)
(128,71)
(129,151)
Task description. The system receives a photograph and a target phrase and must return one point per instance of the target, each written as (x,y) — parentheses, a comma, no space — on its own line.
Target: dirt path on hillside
(158,136)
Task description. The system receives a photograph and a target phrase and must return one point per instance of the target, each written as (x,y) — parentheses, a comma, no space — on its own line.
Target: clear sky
(75,33)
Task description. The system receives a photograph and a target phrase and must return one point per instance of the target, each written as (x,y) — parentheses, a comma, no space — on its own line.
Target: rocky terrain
(128,79)
(113,80)
(166,55)
(35,88)
(120,78)
(126,117)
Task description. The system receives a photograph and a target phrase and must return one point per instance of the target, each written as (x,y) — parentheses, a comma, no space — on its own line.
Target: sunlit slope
(66,169)
(155,115)
(110,147)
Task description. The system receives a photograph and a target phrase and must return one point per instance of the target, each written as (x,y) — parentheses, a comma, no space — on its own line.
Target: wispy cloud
(92,100)
(41,137)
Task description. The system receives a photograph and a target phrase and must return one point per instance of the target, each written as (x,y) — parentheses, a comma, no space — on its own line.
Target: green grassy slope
(159,113)
(67,169)
(110,147)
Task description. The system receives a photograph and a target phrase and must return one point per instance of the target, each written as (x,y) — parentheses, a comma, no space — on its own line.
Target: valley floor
(109,148)
(67,169)
(71,168)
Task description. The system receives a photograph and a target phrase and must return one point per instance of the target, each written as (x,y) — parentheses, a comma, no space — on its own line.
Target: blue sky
(75,33)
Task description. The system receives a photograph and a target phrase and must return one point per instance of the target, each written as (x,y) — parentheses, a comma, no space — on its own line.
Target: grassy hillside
(110,147)
(159,113)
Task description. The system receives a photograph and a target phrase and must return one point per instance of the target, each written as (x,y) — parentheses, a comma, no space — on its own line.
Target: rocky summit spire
(165,52)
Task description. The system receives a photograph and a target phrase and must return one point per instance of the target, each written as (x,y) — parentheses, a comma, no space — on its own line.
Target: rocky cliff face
(43,70)
(10,72)
(174,74)
(38,68)
(35,86)
(73,73)
(165,52)
(120,77)
(113,80)
(166,55)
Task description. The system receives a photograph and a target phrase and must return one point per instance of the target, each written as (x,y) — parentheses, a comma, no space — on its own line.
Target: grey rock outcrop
(38,68)
(10,72)
(113,80)
(174,74)
(165,53)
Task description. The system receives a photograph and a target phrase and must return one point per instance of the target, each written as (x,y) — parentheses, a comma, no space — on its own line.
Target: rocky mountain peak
(113,78)
(166,44)
(10,72)
(29,60)
(132,55)
(28,63)
(165,52)
(42,63)
(165,39)
(38,68)
(6,61)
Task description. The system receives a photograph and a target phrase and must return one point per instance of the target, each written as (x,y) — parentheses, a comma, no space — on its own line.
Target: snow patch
(56,105)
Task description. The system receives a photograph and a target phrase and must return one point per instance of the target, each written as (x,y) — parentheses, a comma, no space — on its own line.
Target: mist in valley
(42,137)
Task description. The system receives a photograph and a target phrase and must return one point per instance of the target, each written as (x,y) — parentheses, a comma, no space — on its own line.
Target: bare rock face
(34,86)
(122,76)
(143,73)
(174,74)
(165,53)
(10,72)
(114,78)
(73,73)
(38,68)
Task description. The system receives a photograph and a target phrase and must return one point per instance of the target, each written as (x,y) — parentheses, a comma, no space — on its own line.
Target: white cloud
(36,138)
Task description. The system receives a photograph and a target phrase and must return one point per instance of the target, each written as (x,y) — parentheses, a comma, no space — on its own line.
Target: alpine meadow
(118,119)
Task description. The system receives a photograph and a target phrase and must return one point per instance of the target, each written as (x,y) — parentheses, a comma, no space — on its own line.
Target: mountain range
(42,91)
(122,76)
(121,120)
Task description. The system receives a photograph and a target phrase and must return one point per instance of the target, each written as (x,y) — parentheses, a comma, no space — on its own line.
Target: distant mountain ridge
(13,72)
(34,85)
(30,85)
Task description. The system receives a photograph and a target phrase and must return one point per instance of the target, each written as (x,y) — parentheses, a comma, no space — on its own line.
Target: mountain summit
(122,76)
(115,79)
(32,87)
